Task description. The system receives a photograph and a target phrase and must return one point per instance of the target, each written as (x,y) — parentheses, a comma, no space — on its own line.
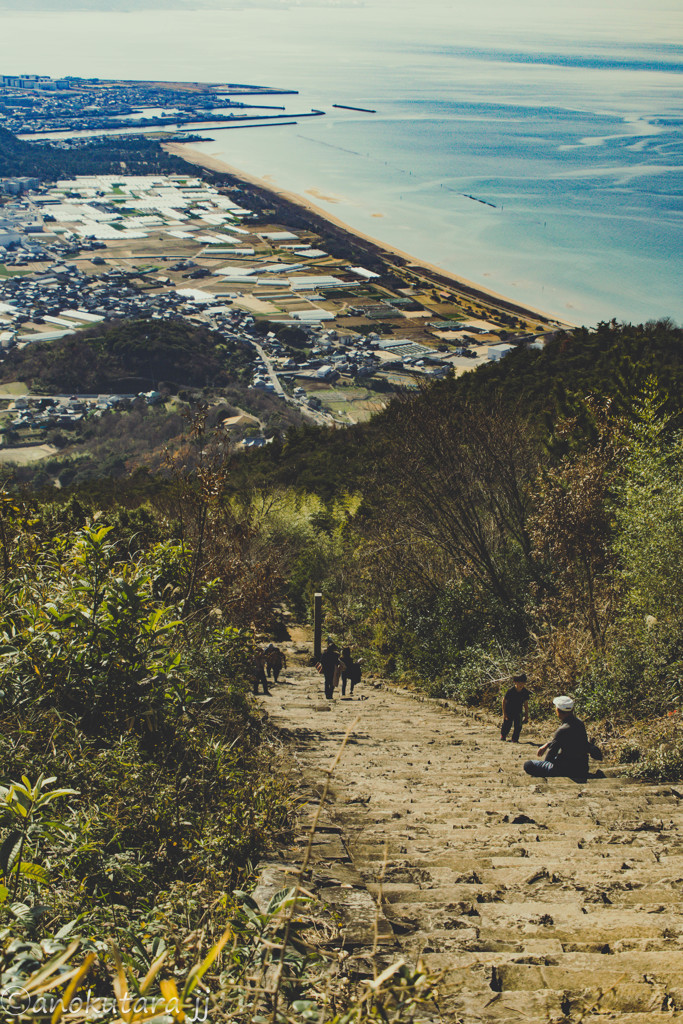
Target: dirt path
(541,901)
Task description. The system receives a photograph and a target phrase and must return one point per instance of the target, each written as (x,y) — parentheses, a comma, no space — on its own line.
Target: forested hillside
(610,363)
(528,513)
(135,155)
(131,356)
(527,516)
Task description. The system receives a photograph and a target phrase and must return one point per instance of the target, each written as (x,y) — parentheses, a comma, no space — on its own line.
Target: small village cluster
(38,103)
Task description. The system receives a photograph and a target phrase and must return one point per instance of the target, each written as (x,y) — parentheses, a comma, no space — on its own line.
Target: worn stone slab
(529,919)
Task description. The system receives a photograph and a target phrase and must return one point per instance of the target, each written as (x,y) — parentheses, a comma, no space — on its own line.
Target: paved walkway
(541,901)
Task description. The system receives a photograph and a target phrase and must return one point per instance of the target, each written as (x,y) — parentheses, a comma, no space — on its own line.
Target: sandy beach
(194,156)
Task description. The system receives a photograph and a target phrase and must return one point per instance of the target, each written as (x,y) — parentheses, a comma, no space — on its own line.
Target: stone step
(566,940)
(608,1016)
(568,916)
(566,976)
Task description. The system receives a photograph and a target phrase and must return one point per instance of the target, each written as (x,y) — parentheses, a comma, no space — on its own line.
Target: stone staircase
(540,901)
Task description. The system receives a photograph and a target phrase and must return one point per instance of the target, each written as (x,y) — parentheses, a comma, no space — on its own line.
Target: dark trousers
(261,678)
(546,769)
(329,684)
(344,679)
(540,769)
(514,723)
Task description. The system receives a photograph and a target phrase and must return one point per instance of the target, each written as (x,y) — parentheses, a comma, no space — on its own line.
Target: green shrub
(663,763)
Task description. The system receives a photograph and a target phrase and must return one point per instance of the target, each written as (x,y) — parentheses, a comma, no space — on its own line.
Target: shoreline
(211,163)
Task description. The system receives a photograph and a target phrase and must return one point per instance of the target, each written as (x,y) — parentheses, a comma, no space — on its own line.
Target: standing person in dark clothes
(346,661)
(567,752)
(350,670)
(329,662)
(259,671)
(515,708)
(355,674)
(276,660)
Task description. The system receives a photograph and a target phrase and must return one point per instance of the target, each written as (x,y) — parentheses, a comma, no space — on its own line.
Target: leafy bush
(134,695)
(661,763)
(262,968)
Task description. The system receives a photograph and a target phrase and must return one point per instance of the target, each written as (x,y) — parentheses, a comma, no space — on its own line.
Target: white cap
(563,703)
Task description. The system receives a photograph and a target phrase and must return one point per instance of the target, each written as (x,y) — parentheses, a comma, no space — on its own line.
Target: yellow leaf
(69,991)
(197,973)
(173,1001)
(121,987)
(152,972)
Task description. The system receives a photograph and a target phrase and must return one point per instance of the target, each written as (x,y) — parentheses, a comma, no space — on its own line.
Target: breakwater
(361,110)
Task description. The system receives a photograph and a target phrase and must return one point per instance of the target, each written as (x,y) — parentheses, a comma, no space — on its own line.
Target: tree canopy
(130,356)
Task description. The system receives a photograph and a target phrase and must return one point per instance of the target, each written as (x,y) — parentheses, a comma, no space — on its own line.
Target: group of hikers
(267,660)
(335,665)
(567,752)
(338,666)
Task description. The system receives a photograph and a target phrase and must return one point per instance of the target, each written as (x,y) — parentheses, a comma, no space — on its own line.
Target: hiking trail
(541,901)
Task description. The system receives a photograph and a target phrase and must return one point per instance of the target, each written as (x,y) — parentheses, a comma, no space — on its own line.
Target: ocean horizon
(545,167)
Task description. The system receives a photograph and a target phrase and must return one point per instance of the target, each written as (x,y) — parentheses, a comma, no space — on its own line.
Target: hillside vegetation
(141,784)
(527,515)
(611,363)
(524,515)
(133,355)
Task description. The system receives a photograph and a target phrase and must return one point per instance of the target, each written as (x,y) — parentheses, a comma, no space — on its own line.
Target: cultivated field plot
(356,404)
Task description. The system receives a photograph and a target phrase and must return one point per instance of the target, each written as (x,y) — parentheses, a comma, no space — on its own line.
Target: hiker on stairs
(276,660)
(350,670)
(567,752)
(259,671)
(329,664)
(515,707)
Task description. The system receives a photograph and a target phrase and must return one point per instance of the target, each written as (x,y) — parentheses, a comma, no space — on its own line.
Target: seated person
(567,752)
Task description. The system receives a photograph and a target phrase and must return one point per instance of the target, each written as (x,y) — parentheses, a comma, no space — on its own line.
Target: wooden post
(317,626)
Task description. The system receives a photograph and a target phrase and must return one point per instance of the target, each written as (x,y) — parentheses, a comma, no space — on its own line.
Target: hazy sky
(262,39)
(628,20)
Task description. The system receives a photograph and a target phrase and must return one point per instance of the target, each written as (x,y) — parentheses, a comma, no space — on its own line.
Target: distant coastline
(194,156)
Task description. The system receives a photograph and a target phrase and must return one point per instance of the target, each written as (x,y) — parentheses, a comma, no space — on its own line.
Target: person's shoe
(514,740)
(503,739)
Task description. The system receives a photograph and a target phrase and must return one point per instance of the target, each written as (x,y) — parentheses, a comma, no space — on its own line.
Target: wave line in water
(329,145)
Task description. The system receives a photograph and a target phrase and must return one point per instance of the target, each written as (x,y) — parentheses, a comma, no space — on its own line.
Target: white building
(496,352)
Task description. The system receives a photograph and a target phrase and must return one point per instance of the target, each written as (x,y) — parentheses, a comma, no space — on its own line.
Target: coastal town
(333,325)
(328,337)
(38,104)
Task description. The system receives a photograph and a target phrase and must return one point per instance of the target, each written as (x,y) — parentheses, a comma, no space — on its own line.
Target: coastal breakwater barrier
(360,110)
(175,124)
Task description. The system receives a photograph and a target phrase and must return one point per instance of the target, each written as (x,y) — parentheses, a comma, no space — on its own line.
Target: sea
(535,152)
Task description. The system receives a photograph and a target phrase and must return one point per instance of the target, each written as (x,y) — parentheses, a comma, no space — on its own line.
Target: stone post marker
(317,626)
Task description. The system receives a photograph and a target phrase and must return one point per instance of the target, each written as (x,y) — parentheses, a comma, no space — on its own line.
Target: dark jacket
(329,660)
(568,748)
